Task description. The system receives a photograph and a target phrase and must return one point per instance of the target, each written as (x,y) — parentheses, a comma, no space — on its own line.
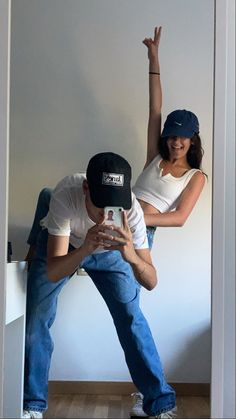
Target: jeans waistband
(151,228)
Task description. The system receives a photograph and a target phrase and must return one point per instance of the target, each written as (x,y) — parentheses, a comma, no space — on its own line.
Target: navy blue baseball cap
(180,123)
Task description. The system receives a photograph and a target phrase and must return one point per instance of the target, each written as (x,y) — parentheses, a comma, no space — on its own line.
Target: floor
(109,406)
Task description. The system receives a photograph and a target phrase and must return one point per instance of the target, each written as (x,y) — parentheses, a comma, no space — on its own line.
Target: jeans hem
(165,409)
(35,409)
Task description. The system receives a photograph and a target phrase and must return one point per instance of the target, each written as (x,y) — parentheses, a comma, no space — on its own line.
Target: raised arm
(155,95)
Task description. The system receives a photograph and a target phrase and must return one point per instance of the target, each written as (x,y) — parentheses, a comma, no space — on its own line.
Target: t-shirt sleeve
(137,225)
(58,218)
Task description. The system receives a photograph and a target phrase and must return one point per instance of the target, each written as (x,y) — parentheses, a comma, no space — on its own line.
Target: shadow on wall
(58,113)
(60,116)
(194,360)
(18,236)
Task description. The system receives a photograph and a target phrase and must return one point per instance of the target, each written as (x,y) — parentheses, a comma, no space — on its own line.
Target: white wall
(79,86)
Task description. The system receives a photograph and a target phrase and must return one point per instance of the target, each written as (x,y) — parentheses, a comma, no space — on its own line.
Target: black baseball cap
(181,123)
(109,176)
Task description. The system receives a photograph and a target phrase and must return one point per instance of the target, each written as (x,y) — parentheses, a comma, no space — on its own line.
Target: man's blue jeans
(115,281)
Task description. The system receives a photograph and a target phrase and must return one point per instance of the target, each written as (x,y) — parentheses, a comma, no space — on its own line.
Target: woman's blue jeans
(115,281)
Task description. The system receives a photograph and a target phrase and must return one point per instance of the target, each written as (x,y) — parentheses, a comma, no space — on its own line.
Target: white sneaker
(28,414)
(137,409)
(168,415)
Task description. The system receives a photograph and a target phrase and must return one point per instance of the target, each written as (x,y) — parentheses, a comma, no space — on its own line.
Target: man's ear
(85,186)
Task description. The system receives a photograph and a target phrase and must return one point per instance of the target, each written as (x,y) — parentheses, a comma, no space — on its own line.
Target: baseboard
(124,388)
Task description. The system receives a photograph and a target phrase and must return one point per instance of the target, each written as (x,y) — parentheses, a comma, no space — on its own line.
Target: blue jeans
(150,235)
(40,212)
(115,281)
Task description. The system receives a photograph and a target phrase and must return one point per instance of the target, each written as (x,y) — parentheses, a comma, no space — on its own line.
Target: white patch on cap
(112,179)
(178,123)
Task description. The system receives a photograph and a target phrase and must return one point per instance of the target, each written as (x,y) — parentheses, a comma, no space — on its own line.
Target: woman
(171,181)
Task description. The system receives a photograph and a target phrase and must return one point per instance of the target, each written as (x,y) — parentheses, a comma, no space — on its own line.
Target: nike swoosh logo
(178,123)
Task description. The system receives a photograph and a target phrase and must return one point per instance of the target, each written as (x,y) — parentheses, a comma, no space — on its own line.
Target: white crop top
(162,192)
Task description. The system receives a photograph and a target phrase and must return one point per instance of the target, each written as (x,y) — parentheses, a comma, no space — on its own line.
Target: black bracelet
(153,72)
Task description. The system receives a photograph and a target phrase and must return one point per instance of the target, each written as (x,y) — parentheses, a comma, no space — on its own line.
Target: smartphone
(113,216)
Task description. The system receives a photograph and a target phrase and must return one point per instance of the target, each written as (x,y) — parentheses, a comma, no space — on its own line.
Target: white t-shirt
(68,215)
(162,192)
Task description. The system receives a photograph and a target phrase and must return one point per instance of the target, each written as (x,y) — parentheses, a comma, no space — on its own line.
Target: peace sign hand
(153,44)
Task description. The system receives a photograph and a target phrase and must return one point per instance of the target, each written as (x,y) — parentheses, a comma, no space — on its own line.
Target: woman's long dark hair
(194,155)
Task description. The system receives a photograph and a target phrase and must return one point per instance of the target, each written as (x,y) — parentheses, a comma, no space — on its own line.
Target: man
(110,216)
(74,235)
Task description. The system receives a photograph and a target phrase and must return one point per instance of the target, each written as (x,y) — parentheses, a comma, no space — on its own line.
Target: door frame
(5,14)
(223,215)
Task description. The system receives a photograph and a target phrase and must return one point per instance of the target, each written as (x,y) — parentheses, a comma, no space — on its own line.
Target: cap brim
(104,196)
(177,131)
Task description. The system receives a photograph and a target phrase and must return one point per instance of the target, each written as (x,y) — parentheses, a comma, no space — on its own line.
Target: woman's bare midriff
(148,208)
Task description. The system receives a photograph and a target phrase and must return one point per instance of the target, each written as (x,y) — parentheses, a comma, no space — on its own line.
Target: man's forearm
(59,267)
(145,273)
